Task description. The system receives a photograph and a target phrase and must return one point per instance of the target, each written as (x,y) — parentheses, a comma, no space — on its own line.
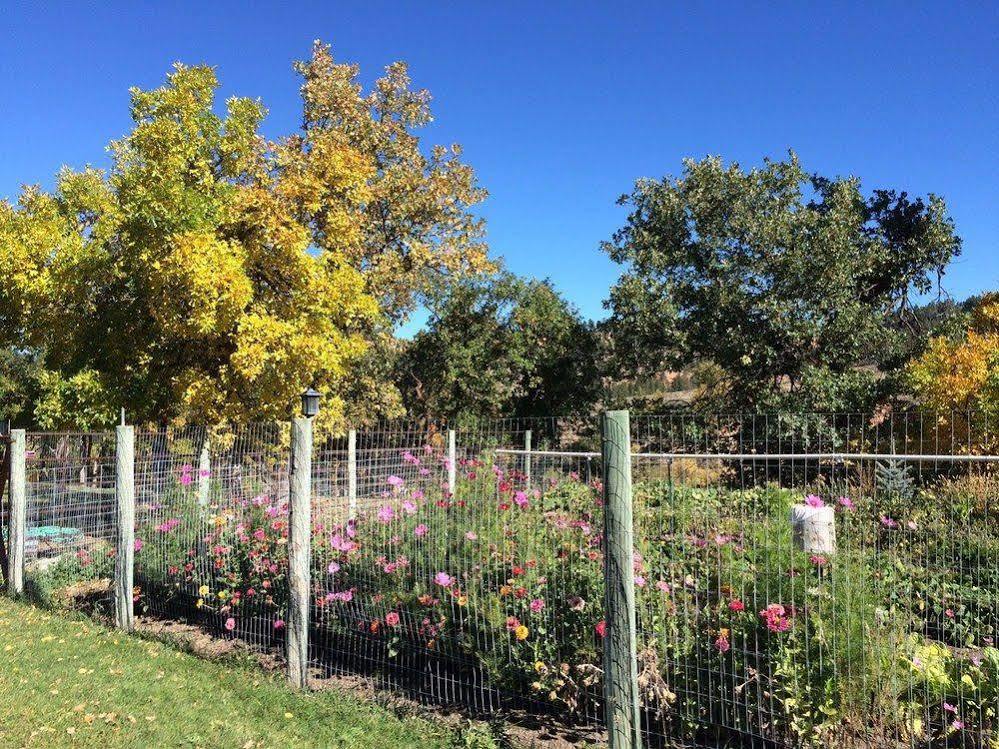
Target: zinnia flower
(443,579)
(521,632)
(537,604)
(392,618)
(813,500)
(230,624)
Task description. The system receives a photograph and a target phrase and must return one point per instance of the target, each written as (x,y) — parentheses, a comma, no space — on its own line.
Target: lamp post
(310,402)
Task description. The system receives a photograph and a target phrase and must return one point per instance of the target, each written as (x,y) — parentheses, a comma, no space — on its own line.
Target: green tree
(789,283)
(500,345)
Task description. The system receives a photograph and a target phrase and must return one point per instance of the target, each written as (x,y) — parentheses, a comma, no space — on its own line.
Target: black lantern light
(310,402)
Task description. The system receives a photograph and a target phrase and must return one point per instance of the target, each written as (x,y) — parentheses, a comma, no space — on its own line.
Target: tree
(788,283)
(497,345)
(211,275)
(962,371)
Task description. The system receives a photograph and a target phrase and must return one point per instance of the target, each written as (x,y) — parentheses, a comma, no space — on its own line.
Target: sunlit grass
(70,682)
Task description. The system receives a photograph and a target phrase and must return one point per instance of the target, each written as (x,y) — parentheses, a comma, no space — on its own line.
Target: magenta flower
(385,514)
(443,579)
(520,499)
(230,624)
(138,544)
(420,530)
(847,504)
(776,617)
(333,568)
(887,522)
(279,624)
(395,482)
(537,604)
(813,500)
(408,507)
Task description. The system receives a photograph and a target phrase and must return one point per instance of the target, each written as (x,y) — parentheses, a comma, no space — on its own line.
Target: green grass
(68,682)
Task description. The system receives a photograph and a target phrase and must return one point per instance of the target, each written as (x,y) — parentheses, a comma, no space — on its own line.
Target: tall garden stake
(124,492)
(18,514)
(299,549)
(620,642)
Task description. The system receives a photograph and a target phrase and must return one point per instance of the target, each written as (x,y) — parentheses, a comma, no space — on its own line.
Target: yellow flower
(521,632)
(222,595)
(539,667)
(462,600)
(505,590)
(203,590)
(201,602)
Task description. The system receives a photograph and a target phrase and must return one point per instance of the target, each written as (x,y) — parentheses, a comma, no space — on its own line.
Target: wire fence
(803,580)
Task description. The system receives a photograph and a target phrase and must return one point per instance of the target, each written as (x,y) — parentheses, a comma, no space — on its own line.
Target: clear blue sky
(560,106)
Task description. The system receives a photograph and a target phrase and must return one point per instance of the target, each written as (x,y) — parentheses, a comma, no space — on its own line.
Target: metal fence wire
(813,579)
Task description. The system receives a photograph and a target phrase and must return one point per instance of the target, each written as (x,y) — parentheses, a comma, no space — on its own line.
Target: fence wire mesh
(70,511)
(807,579)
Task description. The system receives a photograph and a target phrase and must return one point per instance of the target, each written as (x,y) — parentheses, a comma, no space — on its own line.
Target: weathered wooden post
(17,520)
(527,459)
(352,474)
(299,551)
(124,490)
(620,640)
(452,462)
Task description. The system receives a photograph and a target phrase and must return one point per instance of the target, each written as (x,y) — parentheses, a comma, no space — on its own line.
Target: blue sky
(561,106)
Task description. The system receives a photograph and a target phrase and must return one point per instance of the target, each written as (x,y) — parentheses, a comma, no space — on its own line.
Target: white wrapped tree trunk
(813,529)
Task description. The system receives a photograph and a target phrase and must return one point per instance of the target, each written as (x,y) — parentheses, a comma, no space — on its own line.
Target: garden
(491,596)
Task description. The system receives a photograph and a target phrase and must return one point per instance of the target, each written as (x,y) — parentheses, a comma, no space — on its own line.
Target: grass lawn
(70,682)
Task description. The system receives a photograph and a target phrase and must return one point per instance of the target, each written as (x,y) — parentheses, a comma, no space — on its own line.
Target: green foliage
(788,282)
(500,345)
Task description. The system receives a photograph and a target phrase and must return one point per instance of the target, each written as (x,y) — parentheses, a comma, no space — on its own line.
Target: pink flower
(333,568)
(537,604)
(813,500)
(443,579)
(520,499)
(230,624)
(662,586)
(408,507)
(410,458)
(385,514)
(420,530)
(639,581)
(818,560)
(847,504)
(395,482)
(601,628)
(949,708)
(722,644)
(957,725)
(776,617)
(279,624)
(736,605)
(887,522)
(471,535)
(392,619)
(137,545)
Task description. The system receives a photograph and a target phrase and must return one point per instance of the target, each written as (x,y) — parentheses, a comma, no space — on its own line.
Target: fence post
(452,462)
(299,550)
(124,491)
(352,474)
(620,641)
(17,530)
(527,459)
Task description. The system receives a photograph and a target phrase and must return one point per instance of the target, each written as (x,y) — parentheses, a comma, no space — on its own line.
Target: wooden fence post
(17,527)
(124,491)
(620,641)
(452,462)
(352,474)
(527,459)
(299,552)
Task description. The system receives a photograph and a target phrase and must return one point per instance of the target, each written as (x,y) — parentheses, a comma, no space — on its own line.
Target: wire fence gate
(697,581)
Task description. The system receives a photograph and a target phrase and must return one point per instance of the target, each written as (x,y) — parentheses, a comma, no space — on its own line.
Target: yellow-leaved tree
(210,275)
(962,372)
